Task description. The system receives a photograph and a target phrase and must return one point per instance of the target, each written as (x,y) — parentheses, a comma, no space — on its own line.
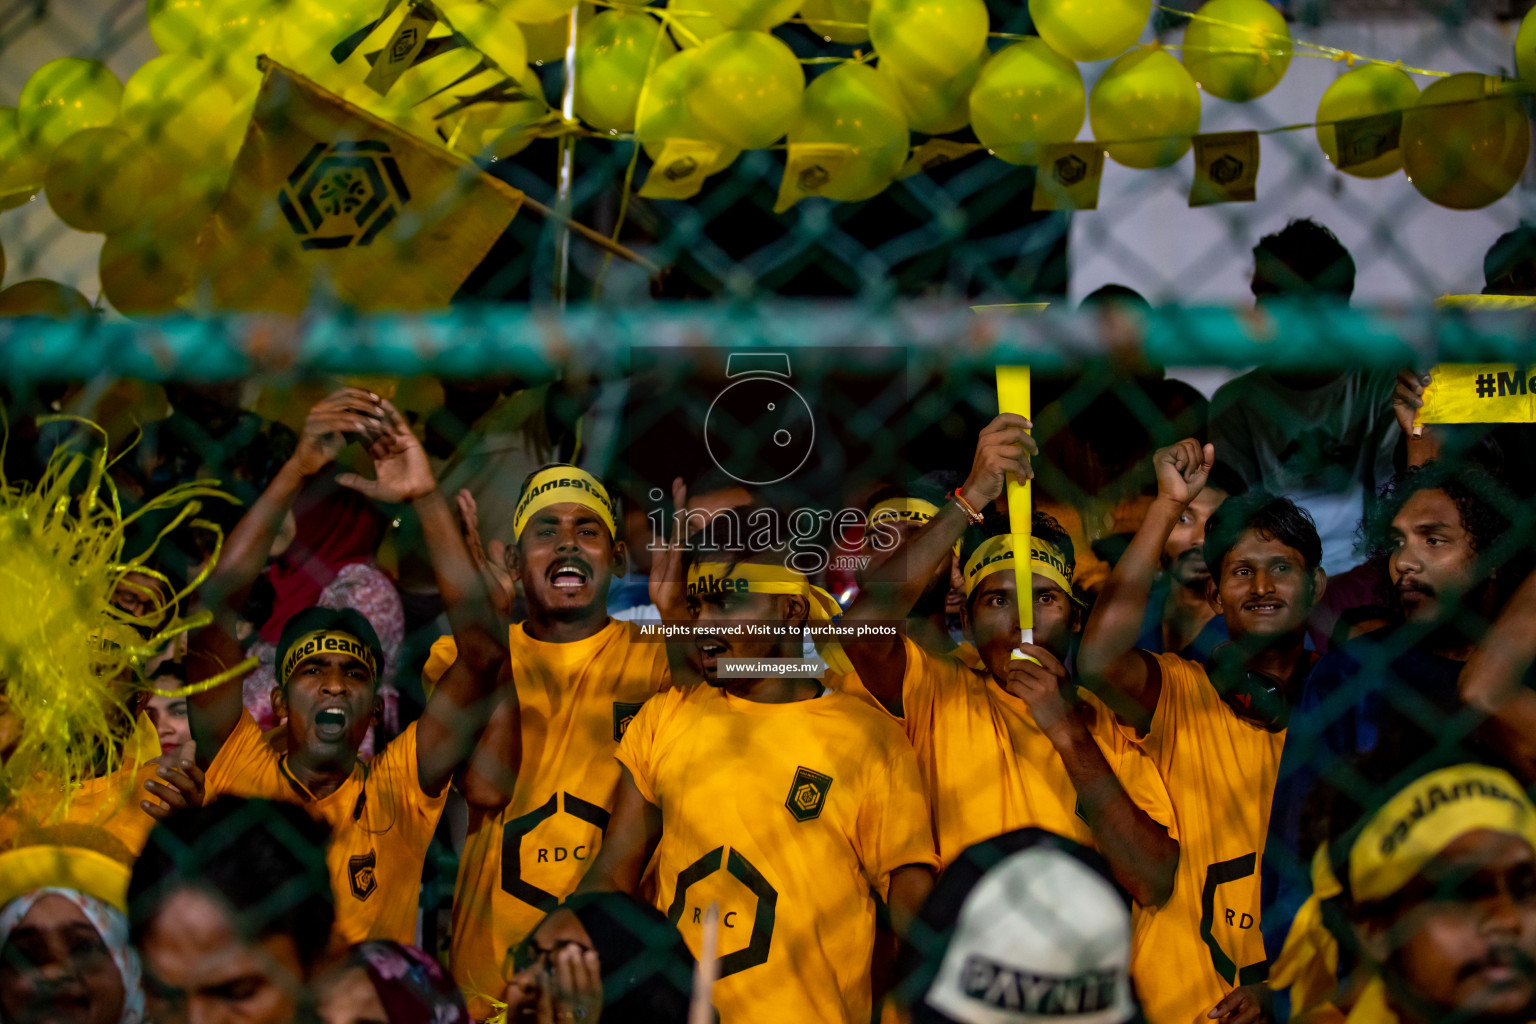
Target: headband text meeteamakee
(558,485)
(770,578)
(326,641)
(903,510)
(996,554)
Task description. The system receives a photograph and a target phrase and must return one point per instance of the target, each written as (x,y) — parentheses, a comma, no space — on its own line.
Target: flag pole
(566,169)
(1013,396)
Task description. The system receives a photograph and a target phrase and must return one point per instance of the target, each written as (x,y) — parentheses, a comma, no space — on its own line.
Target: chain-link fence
(211,245)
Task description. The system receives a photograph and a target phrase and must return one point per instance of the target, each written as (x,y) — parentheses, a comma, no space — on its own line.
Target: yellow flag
(1068,177)
(1226,168)
(811,167)
(326,199)
(680,170)
(1479,393)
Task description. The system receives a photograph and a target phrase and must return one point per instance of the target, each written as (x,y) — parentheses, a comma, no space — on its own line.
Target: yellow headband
(324,641)
(556,486)
(28,868)
(771,578)
(914,510)
(1426,817)
(903,510)
(996,554)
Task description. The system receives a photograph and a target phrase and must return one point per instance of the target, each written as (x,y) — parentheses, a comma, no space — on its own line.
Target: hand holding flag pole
(1013,396)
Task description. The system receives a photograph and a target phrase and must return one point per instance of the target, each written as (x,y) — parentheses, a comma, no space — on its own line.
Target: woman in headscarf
(65,957)
(384,982)
(621,961)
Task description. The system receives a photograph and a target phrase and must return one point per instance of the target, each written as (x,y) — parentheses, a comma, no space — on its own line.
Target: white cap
(1042,938)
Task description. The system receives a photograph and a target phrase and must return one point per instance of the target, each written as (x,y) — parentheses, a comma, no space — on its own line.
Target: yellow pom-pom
(68,657)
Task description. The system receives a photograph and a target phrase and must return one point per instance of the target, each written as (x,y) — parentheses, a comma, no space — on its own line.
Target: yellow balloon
(98,180)
(717,16)
(1149,96)
(547,40)
(496,131)
(1525,49)
(1372,89)
(64,96)
(856,106)
(928,39)
(1090,29)
(311,29)
(143,274)
(534,10)
(1237,50)
(938,108)
(21,172)
(176,104)
(1028,97)
(492,32)
(1466,141)
(747,93)
(663,110)
(613,53)
(177,26)
(837,21)
(43,298)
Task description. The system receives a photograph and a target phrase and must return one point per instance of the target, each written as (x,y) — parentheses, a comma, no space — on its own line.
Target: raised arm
(1107,657)
(1140,852)
(213,714)
(894,587)
(1493,681)
(669,590)
(464,699)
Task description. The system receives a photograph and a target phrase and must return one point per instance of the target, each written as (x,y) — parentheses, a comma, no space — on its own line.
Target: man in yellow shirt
(539,797)
(1008,745)
(1216,737)
(381,813)
(1438,884)
(789,805)
(892,516)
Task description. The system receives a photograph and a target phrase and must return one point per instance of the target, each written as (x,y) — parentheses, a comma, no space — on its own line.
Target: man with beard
(790,804)
(1438,887)
(1394,692)
(1180,619)
(1215,734)
(382,813)
(542,784)
(1010,743)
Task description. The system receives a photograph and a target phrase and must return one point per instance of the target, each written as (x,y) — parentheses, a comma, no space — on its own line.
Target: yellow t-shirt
(1220,772)
(108,802)
(381,823)
(576,700)
(987,767)
(792,816)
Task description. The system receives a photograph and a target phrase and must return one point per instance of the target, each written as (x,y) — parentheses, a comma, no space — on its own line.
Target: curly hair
(1273,516)
(1485,506)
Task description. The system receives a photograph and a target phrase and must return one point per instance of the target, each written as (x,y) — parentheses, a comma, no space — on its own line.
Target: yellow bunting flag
(326,199)
(1068,177)
(1361,140)
(935,153)
(1479,393)
(680,170)
(1226,168)
(811,168)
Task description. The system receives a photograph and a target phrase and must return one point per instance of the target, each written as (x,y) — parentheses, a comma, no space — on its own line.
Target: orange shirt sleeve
(242,764)
(637,750)
(397,763)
